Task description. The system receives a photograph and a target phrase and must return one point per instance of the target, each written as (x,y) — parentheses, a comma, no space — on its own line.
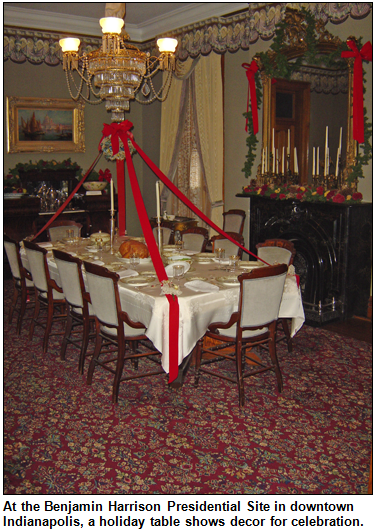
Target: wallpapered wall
(45,81)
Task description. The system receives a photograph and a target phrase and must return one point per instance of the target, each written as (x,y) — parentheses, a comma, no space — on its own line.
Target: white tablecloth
(196,310)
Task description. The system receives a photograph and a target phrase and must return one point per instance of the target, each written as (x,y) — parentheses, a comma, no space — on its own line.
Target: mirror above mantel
(307,102)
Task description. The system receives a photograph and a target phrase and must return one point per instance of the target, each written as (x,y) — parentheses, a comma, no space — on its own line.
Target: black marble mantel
(333,251)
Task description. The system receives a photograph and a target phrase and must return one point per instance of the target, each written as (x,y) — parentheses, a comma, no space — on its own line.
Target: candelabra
(112,229)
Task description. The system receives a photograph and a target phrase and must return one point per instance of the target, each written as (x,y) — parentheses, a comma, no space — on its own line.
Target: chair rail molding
(220,34)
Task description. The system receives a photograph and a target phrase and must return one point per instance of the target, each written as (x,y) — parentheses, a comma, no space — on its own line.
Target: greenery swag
(281,67)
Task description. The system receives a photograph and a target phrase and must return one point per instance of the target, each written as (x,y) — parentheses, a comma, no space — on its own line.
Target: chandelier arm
(77,97)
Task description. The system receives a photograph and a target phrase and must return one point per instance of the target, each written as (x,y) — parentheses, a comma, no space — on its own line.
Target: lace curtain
(197,93)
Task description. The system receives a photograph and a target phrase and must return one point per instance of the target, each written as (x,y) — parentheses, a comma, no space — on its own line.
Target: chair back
(71,278)
(195,239)
(12,250)
(38,267)
(104,294)
(219,241)
(166,235)
(261,295)
(274,254)
(233,220)
(278,243)
(58,229)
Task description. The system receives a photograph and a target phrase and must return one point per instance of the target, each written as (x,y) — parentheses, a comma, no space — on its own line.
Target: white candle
(158,200)
(266,161)
(263,161)
(112,195)
(273,141)
(313,163)
(338,151)
(296,161)
(318,160)
(283,160)
(340,142)
(288,142)
(326,153)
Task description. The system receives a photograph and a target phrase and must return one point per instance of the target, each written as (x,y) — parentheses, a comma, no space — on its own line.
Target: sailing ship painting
(45,125)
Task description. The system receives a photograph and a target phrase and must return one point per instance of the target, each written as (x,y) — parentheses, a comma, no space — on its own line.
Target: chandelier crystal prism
(118,70)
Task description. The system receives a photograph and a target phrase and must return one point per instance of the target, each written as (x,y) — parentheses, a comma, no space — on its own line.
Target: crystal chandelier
(117,71)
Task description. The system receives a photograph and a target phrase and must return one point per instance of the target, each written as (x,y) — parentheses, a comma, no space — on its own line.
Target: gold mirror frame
(295,47)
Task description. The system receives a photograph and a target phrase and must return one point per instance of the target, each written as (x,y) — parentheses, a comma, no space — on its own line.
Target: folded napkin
(127,273)
(201,286)
(46,244)
(170,270)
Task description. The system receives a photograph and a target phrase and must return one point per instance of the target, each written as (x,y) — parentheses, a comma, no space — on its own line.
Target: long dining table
(213,299)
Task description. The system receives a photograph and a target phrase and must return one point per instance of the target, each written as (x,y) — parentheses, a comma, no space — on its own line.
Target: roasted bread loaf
(129,248)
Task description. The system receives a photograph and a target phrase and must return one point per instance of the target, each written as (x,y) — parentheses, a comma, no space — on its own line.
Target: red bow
(251,70)
(105,175)
(365,54)
(116,131)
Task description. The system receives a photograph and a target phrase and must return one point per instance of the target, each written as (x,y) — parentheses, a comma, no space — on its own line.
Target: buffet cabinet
(333,245)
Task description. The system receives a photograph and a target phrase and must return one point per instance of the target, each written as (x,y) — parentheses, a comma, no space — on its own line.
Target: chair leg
(97,350)
(119,368)
(84,346)
(287,332)
(240,361)
(68,330)
(274,358)
(22,309)
(47,332)
(13,304)
(35,317)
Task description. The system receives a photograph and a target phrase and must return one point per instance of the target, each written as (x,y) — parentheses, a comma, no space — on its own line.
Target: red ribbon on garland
(250,70)
(105,175)
(365,54)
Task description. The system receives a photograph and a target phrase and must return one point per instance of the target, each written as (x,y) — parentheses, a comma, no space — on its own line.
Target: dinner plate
(114,267)
(204,256)
(250,264)
(127,260)
(169,247)
(137,281)
(196,278)
(148,273)
(231,281)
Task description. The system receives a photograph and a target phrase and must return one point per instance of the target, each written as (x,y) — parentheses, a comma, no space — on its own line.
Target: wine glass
(134,260)
(178,272)
(178,241)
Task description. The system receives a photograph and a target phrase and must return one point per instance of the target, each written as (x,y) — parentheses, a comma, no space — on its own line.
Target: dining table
(208,292)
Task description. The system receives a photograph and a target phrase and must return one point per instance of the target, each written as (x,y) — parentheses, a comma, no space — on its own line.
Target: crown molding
(78,25)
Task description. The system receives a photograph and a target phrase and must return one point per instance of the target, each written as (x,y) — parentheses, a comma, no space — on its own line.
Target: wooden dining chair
(48,295)
(281,251)
(80,323)
(167,235)
(195,239)
(252,325)
(58,229)
(220,241)
(23,286)
(116,330)
(233,220)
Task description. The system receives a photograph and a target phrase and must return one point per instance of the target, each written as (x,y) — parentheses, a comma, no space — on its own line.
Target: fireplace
(333,252)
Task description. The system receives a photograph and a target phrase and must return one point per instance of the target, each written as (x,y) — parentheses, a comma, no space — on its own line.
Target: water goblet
(134,260)
(220,254)
(233,260)
(70,235)
(178,272)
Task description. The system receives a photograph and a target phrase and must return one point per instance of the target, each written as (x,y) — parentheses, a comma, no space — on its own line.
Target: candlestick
(277,161)
(318,160)
(313,162)
(273,155)
(158,199)
(288,142)
(112,195)
(283,160)
(262,161)
(340,141)
(337,162)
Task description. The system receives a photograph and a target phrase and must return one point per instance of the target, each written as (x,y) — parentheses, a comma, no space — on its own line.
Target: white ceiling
(143,20)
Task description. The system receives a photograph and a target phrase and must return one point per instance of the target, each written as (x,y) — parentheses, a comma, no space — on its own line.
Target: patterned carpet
(63,437)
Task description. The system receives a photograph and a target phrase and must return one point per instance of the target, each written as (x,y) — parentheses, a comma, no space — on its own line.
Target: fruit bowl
(94,186)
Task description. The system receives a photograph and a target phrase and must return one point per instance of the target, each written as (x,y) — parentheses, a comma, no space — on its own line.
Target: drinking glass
(220,254)
(134,260)
(233,260)
(178,241)
(70,235)
(178,272)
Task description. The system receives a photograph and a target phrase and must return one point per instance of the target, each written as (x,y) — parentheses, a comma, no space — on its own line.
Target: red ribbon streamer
(365,54)
(63,206)
(118,131)
(251,70)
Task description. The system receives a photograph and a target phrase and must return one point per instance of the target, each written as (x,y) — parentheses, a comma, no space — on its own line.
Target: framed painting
(45,125)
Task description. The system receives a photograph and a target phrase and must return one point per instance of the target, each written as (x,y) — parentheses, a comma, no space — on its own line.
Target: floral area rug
(64,437)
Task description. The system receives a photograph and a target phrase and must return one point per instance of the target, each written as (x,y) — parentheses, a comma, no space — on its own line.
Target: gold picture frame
(45,125)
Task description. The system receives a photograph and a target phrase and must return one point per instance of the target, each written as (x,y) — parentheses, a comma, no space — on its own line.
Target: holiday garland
(281,67)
